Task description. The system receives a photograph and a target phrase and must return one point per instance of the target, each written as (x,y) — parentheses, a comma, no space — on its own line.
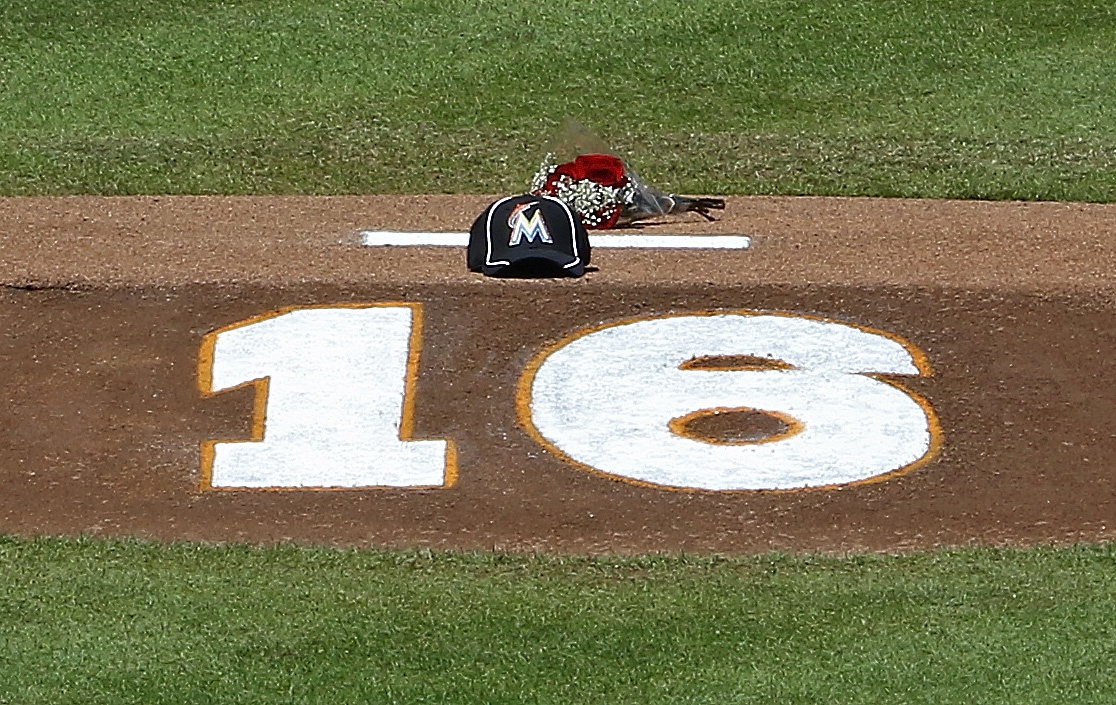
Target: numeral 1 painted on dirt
(334,394)
(612,400)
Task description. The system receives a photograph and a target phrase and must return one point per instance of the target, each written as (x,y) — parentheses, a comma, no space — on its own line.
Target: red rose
(603,169)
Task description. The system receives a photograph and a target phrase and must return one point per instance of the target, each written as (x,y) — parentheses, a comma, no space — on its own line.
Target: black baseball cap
(528,235)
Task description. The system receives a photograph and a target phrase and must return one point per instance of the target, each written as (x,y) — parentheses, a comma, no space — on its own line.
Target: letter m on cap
(529,228)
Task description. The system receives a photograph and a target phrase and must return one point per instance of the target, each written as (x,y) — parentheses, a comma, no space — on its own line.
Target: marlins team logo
(529,228)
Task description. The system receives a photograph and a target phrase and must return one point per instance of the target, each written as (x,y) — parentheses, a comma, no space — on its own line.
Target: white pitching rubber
(392,238)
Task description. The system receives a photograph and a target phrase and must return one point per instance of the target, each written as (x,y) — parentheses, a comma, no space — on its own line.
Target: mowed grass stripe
(88,621)
(1006,99)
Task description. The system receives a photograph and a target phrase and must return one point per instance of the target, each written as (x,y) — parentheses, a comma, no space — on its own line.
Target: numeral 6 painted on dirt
(335,395)
(618,399)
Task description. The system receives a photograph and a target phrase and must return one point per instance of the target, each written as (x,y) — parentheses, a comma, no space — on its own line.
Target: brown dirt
(106,302)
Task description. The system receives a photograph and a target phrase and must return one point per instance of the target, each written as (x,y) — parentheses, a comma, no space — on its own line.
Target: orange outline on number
(922,362)
(678,425)
(262,385)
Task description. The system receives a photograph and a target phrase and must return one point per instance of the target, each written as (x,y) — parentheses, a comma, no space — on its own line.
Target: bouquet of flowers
(606,192)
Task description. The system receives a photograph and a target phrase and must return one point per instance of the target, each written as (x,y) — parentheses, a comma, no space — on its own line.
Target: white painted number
(333,394)
(612,399)
(335,387)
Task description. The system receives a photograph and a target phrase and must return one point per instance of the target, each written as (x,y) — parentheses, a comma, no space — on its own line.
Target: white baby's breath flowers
(538,181)
(594,202)
(590,199)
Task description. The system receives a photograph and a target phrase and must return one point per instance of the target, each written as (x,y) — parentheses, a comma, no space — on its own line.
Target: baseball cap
(528,235)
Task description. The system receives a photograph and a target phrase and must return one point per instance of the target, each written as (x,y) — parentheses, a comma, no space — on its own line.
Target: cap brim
(570,266)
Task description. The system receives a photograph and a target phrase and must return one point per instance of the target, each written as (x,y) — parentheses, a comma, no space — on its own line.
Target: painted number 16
(334,401)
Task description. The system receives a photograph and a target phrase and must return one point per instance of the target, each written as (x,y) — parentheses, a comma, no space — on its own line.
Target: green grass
(934,98)
(128,622)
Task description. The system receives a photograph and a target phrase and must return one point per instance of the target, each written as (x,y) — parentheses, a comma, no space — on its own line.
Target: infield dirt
(106,302)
